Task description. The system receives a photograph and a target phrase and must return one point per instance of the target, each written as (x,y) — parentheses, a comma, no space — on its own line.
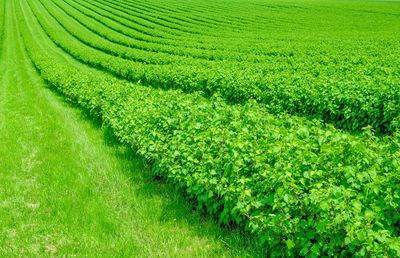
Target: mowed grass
(67,187)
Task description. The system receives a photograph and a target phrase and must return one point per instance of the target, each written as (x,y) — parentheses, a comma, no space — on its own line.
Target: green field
(200,128)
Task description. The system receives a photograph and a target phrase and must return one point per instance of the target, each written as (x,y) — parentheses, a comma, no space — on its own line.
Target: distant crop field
(278,117)
(335,61)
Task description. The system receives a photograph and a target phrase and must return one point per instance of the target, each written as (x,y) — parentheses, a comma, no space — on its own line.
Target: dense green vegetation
(232,107)
(68,188)
(348,80)
(2,11)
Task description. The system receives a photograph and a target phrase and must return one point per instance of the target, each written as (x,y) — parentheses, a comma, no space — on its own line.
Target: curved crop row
(102,30)
(159,31)
(179,14)
(351,100)
(231,28)
(78,45)
(301,187)
(135,31)
(218,11)
(171,23)
(59,38)
(152,12)
(137,51)
(133,23)
(140,32)
(216,15)
(183,20)
(165,24)
(136,40)
(89,38)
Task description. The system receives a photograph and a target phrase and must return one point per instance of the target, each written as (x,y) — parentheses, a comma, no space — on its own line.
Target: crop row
(277,51)
(152,23)
(303,188)
(255,44)
(163,34)
(110,35)
(89,38)
(113,36)
(172,24)
(173,11)
(157,36)
(204,26)
(208,14)
(177,21)
(92,35)
(98,25)
(360,95)
(120,35)
(134,30)
(204,14)
(219,14)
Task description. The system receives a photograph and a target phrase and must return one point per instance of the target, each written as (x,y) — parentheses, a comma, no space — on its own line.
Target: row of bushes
(178,22)
(87,37)
(169,26)
(200,19)
(138,38)
(343,99)
(302,187)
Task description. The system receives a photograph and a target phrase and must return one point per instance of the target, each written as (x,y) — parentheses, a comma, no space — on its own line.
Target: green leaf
(290,244)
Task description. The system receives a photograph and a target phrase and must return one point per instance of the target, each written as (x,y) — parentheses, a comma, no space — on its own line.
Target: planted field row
(241,42)
(302,187)
(203,14)
(91,34)
(264,48)
(152,31)
(170,25)
(173,23)
(175,13)
(249,46)
(202,28)
(364,92)
(91,39)
(166,27)
(86,16)
(206,25)
(98,26)
(200,13)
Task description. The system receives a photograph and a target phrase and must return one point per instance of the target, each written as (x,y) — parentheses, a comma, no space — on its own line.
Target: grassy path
(67,187)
